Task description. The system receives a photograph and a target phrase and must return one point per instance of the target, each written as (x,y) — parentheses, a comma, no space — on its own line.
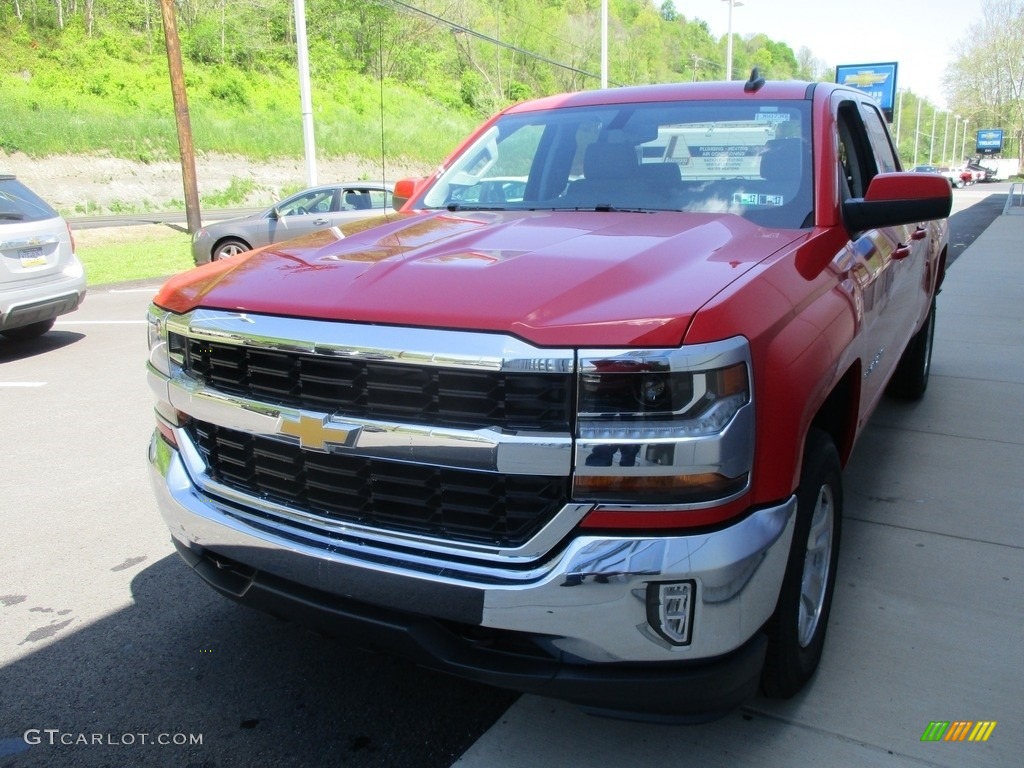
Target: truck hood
(555,278)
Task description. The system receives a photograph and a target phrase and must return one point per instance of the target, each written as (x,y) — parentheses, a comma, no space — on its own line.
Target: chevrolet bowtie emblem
(317,432)
(866,77)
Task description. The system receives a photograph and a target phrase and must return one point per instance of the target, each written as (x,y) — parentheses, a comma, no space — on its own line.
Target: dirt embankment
(92,184)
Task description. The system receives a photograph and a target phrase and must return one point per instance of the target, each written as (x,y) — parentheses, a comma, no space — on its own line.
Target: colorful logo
(866,77)
(958,730)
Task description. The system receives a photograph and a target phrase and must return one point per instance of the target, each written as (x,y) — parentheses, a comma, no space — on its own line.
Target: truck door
(884,259)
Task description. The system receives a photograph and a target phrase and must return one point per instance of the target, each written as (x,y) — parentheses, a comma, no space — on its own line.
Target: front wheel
(796,632)
(228,248)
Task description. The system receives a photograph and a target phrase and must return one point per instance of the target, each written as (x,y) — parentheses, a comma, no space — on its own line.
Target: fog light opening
(670,610)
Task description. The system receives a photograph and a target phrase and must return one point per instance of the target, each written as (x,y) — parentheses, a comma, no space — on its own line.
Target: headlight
(166,350)
(626,398)
(665,426)
(157,332)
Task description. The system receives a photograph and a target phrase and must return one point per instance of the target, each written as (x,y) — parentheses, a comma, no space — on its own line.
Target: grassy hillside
(69,93)
(80,77)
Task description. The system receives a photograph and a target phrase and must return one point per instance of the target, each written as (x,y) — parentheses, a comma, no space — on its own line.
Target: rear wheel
(796,632)
(26,332)
(910,379)
(228,248)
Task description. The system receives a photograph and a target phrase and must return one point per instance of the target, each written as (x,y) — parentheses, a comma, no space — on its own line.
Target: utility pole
(181,118)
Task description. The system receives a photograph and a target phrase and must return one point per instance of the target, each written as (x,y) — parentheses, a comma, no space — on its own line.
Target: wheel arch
(838,414)
(228,239)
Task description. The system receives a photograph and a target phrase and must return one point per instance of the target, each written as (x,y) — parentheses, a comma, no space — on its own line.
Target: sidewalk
(928,618)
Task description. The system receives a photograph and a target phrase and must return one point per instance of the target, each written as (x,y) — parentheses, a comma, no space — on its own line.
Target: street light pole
(931,147)
(305,94)
(728,42)
(952,149)
(899,121)
(917,130)
(945,138)
(963,141)
(604,44)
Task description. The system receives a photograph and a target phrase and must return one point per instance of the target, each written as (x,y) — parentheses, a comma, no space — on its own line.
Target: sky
(917,34)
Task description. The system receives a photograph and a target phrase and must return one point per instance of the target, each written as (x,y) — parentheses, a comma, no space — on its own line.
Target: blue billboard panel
(990,141)
(876,80)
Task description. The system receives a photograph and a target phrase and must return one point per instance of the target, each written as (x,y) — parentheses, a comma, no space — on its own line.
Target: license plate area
(32,257)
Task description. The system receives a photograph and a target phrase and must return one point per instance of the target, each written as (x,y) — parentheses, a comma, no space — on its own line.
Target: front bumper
(572,624)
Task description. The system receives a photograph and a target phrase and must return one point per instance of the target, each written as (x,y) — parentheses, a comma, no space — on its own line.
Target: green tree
(985,84)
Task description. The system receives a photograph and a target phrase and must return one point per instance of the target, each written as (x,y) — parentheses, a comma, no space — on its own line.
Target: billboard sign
(876,80)
(990,141)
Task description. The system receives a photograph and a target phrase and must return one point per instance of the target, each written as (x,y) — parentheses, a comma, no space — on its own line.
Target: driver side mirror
(405,190)
(899,198)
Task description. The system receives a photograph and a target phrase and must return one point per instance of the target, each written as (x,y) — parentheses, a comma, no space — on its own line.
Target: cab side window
(885,155)
(856,160)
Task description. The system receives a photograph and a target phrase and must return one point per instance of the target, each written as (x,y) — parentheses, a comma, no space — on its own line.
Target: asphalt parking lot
(104,632)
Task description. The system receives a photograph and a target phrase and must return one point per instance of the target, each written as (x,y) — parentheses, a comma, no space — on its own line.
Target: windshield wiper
(601,208)
(12,216)
(609,208)
(453,207)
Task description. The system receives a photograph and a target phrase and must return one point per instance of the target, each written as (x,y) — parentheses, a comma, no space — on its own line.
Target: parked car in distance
(952,175)
(980,172)
(307,211)
(40,276)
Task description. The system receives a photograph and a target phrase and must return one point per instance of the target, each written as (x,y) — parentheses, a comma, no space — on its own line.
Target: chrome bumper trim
(529,453)
(587,599)
(412,346)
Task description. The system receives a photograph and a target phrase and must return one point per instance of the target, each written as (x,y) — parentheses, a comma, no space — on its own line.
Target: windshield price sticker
(772,117)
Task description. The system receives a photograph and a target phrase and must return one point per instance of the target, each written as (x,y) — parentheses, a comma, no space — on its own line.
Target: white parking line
(101,322)
(25,384)
(154,289)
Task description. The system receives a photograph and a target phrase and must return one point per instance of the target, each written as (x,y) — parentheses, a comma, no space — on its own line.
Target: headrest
(603,161)
(781,160)
(359,200)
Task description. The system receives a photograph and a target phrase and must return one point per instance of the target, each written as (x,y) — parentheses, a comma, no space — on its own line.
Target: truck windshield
(752,159)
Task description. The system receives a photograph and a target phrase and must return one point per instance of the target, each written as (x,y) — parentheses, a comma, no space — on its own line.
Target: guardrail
(1015,199)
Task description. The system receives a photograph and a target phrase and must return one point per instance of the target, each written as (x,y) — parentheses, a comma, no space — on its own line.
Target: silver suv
(40,276)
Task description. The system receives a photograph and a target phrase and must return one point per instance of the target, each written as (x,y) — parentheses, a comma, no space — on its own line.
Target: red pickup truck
(572,420)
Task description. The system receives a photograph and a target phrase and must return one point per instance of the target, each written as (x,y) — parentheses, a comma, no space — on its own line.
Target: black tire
(796,632)
(910,380)
(232,246)
(26,332)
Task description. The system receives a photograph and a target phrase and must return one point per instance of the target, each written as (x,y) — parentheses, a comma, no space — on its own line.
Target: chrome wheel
(229,248)
(796,631)
(817,562)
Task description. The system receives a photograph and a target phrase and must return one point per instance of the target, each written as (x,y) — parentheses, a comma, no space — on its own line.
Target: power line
(455,26)
(561,41)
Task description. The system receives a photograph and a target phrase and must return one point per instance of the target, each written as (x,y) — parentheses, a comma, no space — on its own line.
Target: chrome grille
(361,388)
(461,505)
